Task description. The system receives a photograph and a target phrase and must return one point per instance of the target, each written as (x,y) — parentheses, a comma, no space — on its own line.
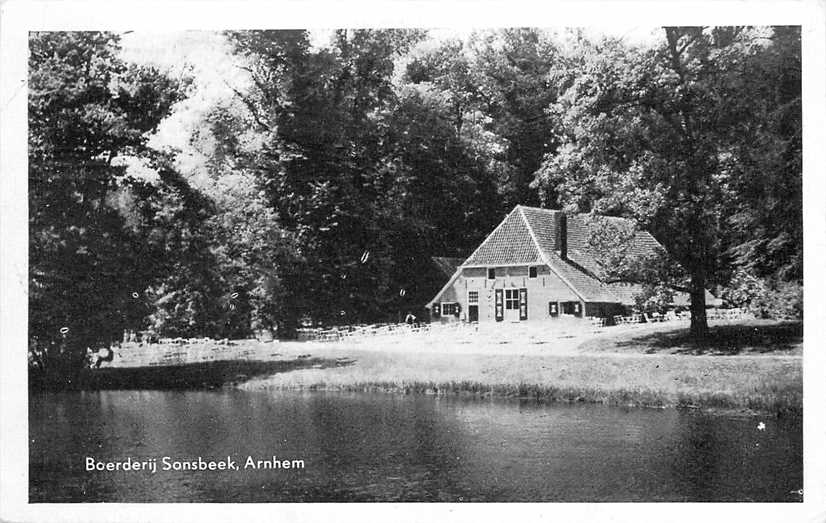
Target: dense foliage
(87,110)
(334,177)
(697,139)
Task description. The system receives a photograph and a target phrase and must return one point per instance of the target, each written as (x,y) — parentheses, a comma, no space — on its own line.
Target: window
(532,272)
(491,274)
(473,297)
(450,309)
(512,299)
(572,307)
(553,308)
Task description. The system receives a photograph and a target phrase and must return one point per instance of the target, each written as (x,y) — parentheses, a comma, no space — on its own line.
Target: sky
(203,55)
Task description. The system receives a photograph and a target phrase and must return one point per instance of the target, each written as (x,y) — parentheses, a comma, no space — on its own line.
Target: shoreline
(780,396)
(550,395)
(647,367)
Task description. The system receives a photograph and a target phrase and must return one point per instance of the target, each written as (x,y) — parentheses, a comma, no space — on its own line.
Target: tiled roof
(586,261)
(544,223)
(509,244)
(626,292)
(588,287)
(447,266)
(528,235)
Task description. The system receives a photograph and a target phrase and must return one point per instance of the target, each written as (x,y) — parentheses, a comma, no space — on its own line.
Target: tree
(513,67)
(655,134)
(766,179)
(250,251)
(323,166)
(495,90)
(449,71)
(87,111)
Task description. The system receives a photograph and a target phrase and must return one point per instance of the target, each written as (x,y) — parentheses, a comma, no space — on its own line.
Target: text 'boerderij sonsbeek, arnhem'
(194,464)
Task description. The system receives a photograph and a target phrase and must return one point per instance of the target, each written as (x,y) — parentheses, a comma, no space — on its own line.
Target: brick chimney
(562,235)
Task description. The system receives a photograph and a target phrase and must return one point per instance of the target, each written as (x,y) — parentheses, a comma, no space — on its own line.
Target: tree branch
(671,286)
(251,106)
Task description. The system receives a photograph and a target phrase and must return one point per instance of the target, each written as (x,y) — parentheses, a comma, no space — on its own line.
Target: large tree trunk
(699,322)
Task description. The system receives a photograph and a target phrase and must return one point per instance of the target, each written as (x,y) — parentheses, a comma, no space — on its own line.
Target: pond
(384,447)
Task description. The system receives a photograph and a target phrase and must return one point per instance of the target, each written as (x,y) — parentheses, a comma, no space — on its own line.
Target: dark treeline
(333,177)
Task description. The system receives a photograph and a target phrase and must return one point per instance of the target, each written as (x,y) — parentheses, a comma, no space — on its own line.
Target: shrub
(654,298)
(763,297)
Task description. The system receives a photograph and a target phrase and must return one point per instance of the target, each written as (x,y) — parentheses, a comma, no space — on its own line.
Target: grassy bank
(751,367)
(762,384)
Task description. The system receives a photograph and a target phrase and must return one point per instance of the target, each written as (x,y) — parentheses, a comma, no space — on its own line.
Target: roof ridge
(527,222)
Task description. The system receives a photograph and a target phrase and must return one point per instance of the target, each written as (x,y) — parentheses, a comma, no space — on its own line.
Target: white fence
(559,327)
(183,351)
(356,332)
(729,314)
(671,316)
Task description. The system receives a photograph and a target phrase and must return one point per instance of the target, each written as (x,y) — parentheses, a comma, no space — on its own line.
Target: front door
(473,306)
(511,304)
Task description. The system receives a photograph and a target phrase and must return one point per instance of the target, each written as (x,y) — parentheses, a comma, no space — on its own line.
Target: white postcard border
(19,17)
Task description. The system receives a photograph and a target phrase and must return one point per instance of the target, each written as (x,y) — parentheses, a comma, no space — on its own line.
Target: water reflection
(376,447)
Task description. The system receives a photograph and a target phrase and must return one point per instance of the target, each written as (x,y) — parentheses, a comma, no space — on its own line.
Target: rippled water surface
(382,447)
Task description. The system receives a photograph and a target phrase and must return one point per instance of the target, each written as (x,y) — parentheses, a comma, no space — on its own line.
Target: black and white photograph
(429,263)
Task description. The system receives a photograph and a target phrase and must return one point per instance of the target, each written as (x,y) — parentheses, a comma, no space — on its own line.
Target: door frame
(511,315)
(472,306)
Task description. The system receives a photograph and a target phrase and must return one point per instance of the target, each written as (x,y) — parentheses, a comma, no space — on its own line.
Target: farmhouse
(539,265)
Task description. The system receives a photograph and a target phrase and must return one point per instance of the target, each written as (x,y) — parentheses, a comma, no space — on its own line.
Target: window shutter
(523,304)
(437,309)
(499,304)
